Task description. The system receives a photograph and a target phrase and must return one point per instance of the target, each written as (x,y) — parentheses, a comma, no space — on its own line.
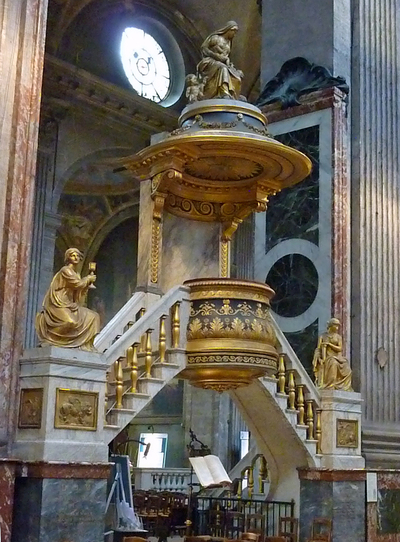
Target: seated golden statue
(331,369)
(217,76)
(64,321)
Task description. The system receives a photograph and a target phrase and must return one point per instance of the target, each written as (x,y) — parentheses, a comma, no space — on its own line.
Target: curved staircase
(144,345)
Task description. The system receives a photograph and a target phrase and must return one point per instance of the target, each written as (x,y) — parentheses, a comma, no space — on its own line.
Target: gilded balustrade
(307,412)
(140,359)
(248,476)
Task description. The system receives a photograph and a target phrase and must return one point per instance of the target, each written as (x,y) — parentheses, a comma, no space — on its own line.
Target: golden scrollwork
(232,358)
(221,169)
(224,258)
(30,408)
(76,409)
(226,328)
(229,289)
(214,125)
(158,207)
(347,433)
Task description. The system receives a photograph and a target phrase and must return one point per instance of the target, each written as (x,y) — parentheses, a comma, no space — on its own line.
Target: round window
(295,281)
(145,64)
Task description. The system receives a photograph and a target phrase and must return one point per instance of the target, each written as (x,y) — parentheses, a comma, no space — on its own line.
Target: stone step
(150,386)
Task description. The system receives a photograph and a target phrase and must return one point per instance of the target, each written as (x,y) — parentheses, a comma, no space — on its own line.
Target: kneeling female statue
(331,369)
(63,320)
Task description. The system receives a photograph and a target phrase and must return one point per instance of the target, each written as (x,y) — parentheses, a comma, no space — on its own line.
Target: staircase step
(165,371)
(282,400)
(136,401)
(151,386)
(291,415)
(302,431)
(124,411)
(271,384)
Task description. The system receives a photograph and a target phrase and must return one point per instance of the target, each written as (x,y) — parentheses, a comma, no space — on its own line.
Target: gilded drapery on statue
(216,76)
(331,368)
(63,320)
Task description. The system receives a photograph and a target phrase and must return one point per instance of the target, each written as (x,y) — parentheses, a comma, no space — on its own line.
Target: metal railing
(229,517)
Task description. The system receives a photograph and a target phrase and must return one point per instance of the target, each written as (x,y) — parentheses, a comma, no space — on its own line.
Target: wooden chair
(255,524)
(133,539)
(234,524)
(205,538)
(321,530)
(275,539)
(289,528)
(250,537)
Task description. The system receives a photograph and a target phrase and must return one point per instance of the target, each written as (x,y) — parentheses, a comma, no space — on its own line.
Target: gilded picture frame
(76,409)
(346,433)
(30,408)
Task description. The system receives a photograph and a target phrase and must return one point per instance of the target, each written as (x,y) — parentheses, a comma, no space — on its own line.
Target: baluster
(239,488)
(250,482)
(119,382)
(149,357)
(281,374)
(263,472)
(143,337)
(218,520)
(130,324)
(176,325)
(132,362)
(310,419)
(318,430)
(300,404)
(291,390)
(162,339)
(106,394)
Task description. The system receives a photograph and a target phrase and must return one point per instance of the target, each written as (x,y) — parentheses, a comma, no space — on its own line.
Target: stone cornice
(79,88)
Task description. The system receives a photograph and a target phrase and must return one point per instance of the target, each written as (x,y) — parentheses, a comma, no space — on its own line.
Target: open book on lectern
(210,471)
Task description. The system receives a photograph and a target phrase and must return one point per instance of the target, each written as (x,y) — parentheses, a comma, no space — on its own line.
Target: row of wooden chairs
(321,531)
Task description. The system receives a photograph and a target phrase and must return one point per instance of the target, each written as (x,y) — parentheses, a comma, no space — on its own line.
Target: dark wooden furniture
(289,528)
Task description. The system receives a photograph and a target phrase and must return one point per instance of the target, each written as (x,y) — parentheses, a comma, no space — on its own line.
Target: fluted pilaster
(376,231)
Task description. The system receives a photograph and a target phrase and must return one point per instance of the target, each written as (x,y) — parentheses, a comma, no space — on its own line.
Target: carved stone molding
(297,77)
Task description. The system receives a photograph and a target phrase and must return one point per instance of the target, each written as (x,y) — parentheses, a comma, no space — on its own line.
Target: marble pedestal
(341,430)
(60,502)
(61,412)
(338,495)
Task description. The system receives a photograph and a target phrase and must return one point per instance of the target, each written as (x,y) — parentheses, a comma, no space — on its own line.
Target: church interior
(200,295)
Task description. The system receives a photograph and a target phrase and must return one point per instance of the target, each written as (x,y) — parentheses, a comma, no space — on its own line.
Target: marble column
(44,229)
(206,412)
(376,224)
(22,26)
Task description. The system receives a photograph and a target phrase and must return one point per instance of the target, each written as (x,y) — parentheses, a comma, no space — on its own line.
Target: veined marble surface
(190,250)
(298,223)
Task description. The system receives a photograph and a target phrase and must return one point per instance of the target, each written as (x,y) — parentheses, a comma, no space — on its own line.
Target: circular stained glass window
(145,64)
